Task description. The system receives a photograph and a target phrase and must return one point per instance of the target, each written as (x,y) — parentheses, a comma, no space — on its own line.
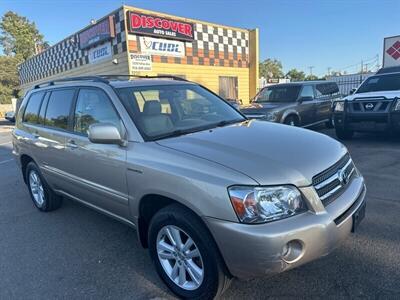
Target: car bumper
(368,121)
(259,250)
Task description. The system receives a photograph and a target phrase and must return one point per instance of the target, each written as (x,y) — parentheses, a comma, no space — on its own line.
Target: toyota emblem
(342,175)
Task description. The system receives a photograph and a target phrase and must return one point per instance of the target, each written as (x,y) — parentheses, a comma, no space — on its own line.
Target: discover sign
(158,26)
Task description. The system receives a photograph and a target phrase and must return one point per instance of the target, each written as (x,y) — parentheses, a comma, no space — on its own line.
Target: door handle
(71,144)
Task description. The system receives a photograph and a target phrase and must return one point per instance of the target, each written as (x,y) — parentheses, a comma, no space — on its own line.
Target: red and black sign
(100,32)
(139,23)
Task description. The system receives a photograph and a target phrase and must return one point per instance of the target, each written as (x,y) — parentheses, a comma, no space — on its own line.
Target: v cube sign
(391,51)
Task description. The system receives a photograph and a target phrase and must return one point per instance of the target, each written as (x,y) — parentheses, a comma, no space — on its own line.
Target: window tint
(93,106)
(152,95)
(58,108)
(307,91)
(279,93)
(32,108)
(389,82)
(326,89)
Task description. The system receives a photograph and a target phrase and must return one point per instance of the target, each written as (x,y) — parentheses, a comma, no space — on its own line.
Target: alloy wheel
(180,257)
(36,186)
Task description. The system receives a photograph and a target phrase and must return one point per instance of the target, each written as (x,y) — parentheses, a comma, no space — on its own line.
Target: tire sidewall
(209,286)
(291,118)
(33,167)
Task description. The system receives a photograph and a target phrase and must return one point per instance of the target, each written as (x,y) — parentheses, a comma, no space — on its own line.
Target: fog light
(292,251)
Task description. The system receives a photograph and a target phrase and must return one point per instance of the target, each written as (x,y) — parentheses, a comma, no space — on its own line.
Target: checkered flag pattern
(66,55)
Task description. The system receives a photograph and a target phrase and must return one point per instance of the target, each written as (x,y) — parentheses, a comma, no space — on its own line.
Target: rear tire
(292,121)
(181,224)
(329,124)
(344,134)
(41,194)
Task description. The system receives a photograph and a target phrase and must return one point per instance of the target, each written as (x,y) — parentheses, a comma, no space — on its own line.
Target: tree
(311,77)
(19,39)
(19,36)
(296,75)
(271,68)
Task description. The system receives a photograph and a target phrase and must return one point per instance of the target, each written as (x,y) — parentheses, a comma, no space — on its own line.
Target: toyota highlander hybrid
(214,196)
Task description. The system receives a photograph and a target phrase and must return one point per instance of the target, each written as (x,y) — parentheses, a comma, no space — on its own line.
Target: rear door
(96,172)
(51,133)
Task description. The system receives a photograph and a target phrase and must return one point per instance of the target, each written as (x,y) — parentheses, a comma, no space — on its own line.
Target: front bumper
(258,250)
(368,121)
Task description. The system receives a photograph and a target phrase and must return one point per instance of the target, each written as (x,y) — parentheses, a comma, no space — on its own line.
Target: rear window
(58,108)
(32,108)
(327,88)
(380,83)
(279,93)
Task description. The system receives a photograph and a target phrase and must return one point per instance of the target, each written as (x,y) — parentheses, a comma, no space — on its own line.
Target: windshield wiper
(225,122)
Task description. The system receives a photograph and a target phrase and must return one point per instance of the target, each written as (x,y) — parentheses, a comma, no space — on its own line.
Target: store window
(228,87)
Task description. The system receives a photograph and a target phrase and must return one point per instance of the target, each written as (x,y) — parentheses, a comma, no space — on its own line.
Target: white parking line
(6,161)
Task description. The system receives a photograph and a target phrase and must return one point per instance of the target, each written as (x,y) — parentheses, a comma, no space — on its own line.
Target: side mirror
(105,133)
(307,98)
(352,91)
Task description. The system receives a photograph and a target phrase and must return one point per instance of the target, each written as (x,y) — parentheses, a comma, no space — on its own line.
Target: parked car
(10,116)
(235,103)
(374,106)
(303,104)
(213,195)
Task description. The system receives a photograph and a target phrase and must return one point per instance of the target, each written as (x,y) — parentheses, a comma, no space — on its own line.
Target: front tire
(344,134)
(185,255)
(41,194)
(292,121)
(329,124)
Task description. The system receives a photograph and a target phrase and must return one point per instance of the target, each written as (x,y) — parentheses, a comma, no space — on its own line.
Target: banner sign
(391,51)
(162,47)
(158,26)
(100,32)
(100,53)
(141,62)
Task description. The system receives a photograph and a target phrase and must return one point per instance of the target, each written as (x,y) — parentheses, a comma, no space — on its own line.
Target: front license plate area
(358,216)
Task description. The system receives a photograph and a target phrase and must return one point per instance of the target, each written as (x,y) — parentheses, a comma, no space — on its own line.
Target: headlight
(397,105)
(265,204)
(339,106)
(271,116)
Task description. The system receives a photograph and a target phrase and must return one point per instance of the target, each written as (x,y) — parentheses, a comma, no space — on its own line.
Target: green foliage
(296,75)
(19,36)
(311,77)
(271,68)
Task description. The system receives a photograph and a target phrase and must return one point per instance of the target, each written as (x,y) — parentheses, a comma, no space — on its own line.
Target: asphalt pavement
(76,253)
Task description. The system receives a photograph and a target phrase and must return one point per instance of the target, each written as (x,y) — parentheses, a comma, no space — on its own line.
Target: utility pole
(311,67)
(362,67)
(329,71)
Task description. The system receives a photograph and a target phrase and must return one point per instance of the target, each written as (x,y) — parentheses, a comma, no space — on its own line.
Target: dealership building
(140,42)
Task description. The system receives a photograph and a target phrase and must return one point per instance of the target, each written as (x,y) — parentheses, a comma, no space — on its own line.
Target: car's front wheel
(292,121)
(185,255)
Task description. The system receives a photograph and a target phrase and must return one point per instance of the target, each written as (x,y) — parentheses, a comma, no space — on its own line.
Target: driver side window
(307,91)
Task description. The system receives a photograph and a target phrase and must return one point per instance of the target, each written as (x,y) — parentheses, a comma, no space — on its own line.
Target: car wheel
(185,255)
(344,134)
(41,194)
(329,124)
(292,121)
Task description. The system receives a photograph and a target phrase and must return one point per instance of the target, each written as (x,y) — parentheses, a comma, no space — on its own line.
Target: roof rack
(104,79)
(79,78)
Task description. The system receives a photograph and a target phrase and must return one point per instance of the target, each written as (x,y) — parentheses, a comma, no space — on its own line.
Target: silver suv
(214,196)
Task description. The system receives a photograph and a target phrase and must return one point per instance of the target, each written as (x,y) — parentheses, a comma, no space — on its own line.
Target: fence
(347,82)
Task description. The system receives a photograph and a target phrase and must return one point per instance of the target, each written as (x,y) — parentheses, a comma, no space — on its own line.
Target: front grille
(369,105)
(331,182)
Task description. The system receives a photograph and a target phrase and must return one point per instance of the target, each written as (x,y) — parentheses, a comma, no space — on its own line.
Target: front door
(228,87)
(97,171)
(306,107)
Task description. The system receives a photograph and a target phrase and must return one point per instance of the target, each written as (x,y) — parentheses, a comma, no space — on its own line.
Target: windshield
(279,94)
(389,82)
(171,110)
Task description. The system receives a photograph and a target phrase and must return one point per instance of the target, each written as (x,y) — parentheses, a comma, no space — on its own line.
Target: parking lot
(76,253)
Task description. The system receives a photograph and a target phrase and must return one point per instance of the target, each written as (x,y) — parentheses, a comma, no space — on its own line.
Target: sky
(322,34)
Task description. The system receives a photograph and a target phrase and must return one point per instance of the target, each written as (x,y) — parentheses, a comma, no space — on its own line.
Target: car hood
(262,107)
(387,94)
(269,153)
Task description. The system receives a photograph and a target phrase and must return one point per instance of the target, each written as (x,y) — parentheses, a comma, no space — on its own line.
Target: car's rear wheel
(292,121)
(41,194)
(329,124)
(185,255)
(344,134)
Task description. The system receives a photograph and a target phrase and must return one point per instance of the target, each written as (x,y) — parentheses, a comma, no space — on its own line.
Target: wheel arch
(290,113)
